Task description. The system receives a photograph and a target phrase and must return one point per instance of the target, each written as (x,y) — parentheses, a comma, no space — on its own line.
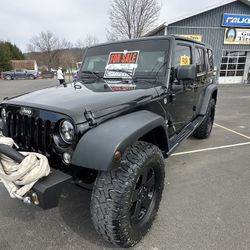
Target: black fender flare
(97,147)
(211,91)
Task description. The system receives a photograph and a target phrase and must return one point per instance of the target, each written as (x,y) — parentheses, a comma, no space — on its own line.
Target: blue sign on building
(236,20)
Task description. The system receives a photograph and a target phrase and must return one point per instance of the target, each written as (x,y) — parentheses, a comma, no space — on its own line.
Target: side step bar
(46,192)
(186,132)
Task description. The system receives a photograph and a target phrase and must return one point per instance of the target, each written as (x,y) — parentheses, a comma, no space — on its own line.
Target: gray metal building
(227,28)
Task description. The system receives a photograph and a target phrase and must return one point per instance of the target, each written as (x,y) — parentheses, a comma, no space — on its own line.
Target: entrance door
(232,67)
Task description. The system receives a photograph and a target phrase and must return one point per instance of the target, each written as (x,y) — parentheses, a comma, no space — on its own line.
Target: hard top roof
(167,37)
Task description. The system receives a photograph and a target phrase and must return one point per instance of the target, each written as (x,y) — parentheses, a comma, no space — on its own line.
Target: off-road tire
(111,201)
(204,130)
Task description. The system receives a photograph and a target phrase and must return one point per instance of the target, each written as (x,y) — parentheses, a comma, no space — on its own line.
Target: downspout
(165,30)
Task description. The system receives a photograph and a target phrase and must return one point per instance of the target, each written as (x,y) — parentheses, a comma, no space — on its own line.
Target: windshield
(127,60)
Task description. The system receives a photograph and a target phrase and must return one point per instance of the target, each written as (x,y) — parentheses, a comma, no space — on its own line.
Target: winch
(28,176)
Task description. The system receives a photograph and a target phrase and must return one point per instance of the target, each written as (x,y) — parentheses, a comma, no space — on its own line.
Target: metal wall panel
(213,18)
(208,24)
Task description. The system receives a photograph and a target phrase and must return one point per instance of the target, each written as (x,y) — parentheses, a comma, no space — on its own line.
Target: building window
(232,63)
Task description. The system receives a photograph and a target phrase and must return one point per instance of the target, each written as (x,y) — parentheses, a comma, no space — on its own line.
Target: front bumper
(48,189)
(46,192)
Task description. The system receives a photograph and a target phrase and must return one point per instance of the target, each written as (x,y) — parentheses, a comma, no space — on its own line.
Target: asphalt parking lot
(205,205)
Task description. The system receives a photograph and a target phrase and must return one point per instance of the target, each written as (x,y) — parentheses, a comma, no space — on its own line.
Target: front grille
(30,133)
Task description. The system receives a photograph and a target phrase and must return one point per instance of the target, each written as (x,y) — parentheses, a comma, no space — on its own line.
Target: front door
(181,93)
(20,74)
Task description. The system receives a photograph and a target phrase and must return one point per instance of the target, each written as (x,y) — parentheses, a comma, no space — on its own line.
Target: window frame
(181,43)
(226,69)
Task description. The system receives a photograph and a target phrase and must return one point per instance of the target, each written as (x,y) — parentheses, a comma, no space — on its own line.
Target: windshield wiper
(123,71)
(96,74)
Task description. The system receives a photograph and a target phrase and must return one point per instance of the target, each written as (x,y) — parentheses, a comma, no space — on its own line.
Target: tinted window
(200,60)
(152,57)
(210,60)
(182,52)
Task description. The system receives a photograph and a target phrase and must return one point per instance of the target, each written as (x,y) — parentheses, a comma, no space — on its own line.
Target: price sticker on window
(184,60)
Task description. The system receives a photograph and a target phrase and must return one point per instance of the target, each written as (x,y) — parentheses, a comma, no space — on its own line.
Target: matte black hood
(74,101)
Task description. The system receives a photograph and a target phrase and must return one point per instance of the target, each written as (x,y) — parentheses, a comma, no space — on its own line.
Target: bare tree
(90,40)
(79,44)
(87,42)
(132,18)
(49,45)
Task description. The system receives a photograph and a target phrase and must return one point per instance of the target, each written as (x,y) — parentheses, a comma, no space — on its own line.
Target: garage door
(232,66)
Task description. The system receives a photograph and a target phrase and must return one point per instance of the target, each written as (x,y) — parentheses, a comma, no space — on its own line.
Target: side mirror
(187,72)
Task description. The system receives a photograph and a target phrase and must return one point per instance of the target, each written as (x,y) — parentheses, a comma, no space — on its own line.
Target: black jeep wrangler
(134,102)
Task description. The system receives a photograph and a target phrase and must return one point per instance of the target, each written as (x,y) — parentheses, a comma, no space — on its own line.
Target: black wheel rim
(143,197)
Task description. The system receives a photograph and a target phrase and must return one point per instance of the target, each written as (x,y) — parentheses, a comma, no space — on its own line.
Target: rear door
(204,67)
(181,92)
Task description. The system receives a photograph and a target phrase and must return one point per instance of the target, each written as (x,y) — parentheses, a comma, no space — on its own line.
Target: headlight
(67,131)
(3,114)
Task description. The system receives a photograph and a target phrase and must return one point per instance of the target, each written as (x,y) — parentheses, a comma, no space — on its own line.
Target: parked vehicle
(20,74)
(47,75)
(134,103)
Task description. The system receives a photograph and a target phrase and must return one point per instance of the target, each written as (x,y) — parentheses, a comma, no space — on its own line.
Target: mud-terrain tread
(111,193)
(202,131)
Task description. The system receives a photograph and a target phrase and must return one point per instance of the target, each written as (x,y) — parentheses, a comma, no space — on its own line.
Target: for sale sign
(121,64)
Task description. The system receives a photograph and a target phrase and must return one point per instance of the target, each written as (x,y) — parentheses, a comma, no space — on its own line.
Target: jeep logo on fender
(236,20)
(26,111)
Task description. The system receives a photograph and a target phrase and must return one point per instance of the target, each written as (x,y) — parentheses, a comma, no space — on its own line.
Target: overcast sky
(73,19)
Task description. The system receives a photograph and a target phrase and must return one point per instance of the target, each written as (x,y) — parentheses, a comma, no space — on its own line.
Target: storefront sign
(236,20)
(237,36)
(197,38)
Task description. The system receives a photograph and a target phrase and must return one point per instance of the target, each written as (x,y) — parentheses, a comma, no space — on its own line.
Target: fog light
(66,158)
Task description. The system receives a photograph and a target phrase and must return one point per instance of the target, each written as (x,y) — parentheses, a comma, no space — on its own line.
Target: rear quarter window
(200,60)
(210,60)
